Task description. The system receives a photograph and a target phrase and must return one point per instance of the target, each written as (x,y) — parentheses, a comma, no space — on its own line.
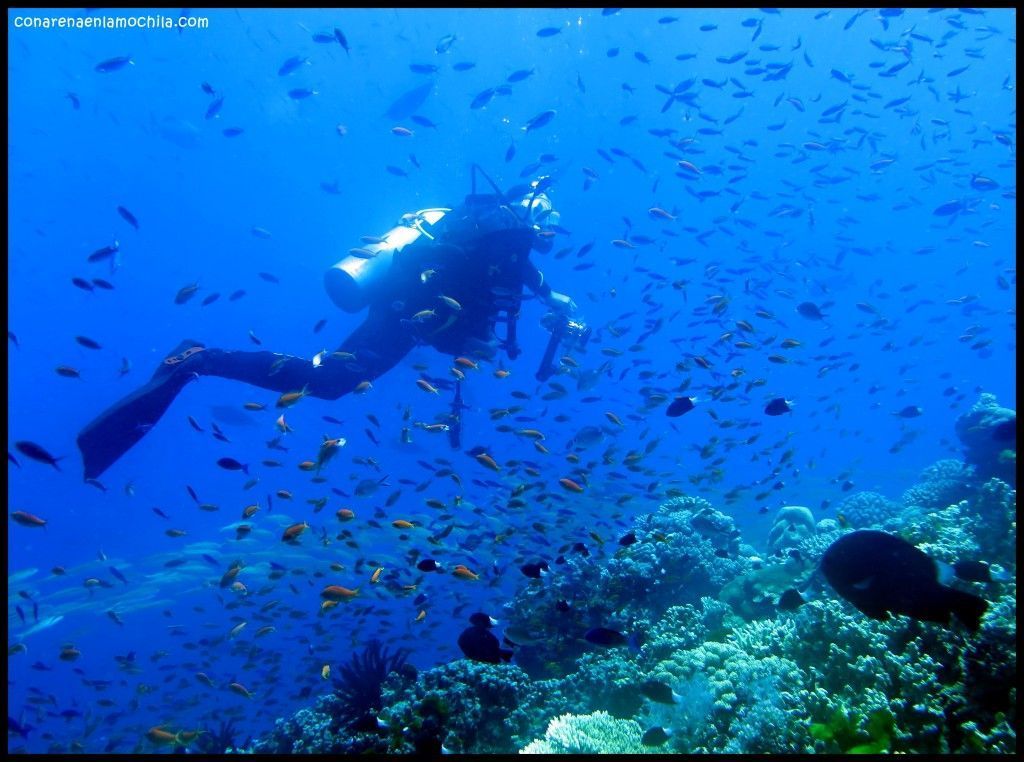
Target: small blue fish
(301,93)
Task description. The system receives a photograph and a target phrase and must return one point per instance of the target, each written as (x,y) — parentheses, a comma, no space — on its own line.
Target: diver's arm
(556,301)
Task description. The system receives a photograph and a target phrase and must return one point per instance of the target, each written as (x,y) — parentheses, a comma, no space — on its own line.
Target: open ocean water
(791,236)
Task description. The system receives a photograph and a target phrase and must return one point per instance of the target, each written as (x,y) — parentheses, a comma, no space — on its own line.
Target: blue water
(820,185)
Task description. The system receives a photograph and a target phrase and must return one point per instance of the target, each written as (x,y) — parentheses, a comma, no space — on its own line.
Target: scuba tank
(355,280)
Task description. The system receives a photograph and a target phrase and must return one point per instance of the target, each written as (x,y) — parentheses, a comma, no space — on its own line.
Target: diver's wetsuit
(479,259)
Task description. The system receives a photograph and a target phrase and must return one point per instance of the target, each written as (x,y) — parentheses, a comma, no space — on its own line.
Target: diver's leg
(116,429)
(377,345)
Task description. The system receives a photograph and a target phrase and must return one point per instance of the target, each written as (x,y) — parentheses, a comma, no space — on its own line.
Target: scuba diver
(443,277)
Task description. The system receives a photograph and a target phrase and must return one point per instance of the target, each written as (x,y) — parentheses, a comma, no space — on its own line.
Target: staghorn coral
(597,733)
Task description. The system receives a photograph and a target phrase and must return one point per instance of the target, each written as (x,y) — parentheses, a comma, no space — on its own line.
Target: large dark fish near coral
(480,644)
(880,573)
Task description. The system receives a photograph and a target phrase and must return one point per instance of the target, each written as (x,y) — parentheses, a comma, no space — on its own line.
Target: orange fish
(421,616)
(502,373)
(338,593)
(363,386)
(160,736)
(307,465)
(327,606)
(570,485)
(254,406)
(488,461)
(27,519)
(345,514)
(283,427)
(463,573)
(240,689)
(425,386)
(376,575)
(402,524)
(292,533)
(290,398)
(249,510)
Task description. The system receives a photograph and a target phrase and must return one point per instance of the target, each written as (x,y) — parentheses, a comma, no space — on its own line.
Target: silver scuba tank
(355,280)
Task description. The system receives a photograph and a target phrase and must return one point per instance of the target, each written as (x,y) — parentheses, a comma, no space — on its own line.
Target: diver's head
(541,216)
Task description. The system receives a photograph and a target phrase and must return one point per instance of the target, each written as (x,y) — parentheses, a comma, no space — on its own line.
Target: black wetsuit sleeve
(535,281)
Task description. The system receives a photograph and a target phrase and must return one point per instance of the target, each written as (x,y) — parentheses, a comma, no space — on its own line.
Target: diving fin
(112,433)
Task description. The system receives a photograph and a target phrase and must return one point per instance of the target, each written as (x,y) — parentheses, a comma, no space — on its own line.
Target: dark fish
(185,293)
(82,284)
(160,513)
(409,103)
(950,207)
(291,65)
(88,343)
(236,295)
(423,121)
(880,573)
(627,539)
(562,606)
(428,565)
(214,108)
(118,575)
(319,325)
(656,736)
(482,98)
(208,88)
(810,311)
(210,299)
(790,600)
(659,691)
(680,405)
(300,93)
(341,40)
(232,132)
(423,68)
(445,44)
(602,636)
(778,406)
(269,277)
(548,31)
(128,217)
(37,453)
(75,104)
(910,411)
(113,64)
(539,121)
(100,283)
(519,76)
(230,464)
(464,66)
(478,643)
(105,253)
(12,337)
(534,570)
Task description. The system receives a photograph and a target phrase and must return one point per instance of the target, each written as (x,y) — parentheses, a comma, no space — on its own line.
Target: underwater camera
(571,334)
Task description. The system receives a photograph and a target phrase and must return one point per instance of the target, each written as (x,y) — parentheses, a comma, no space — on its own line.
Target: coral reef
(944,483)
(597,733)
(792,524)
(358,683)
(867,509)
(988,433)
(747,676)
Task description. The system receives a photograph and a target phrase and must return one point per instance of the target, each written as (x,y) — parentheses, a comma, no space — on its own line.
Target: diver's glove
(561,302)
